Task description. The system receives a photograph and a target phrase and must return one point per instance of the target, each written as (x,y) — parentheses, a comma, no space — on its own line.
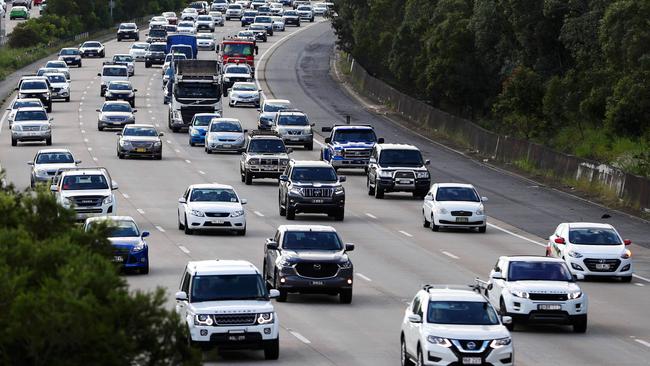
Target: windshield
(311,240)
(198,90)
(225,126)
(69,52)
(457,194)
(244,87)
(127,26)
(237,70)
(275,107)
(33,85)
(140,46)
(235,6)
(158,33)
(291,13)
(205,18)
(237,49)
(169,14)
(400,158)
(593,236)
(122,58)
(355,135)
(140,131)
(185,24)
(538,271)
(311,174)
(461,312)
(84,182)
(266,146)
(119,86)
(204,36)
(116,107)
(55,158)
(293,120)
(115,71)
(228,287)
(123,229)
(56,78)
(204,120)
(157,48)
(250,13)
(213,195)
(31,103)
(304,8)
(92,44)
(42,71)
(263,20)
(30,116)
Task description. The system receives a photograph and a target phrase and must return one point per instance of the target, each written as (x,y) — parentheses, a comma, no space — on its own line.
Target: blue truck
(182,43)
(349,146)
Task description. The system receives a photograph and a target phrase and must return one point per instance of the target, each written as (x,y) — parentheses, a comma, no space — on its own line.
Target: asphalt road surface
(394,254)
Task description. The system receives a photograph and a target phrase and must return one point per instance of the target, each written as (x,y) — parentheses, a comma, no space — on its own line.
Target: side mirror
(118,133)
(77,162)
(349,247)
(506,320)
(271,245)
(427,162)
(284,178)
(273,293)
(559,241)
(244,201)
(342,178)
(135,90)
(161,134)
(328,140)
(380,140)
(135,111)
(181,296)
(289,150)
(97,110)
(627,241)
(497,276)
(415,318)
(372,161)
(114,185)
(258,109)
(99,74)
(182,200)
(146,34)
(428,198)
(30,163)
(144,234)
(245,131)
(53,188)
(312,124)
(484,199)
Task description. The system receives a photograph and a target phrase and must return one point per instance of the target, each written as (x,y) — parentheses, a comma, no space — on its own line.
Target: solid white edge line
(405,233)
(299,336)
(187,161)
(159,228)
(125,195)
(516,235)
(371,215)
(450,255)
(183,249)
(258,213)
(363,276)
(641,341)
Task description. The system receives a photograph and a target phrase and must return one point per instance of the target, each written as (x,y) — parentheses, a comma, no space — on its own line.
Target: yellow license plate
(141,150)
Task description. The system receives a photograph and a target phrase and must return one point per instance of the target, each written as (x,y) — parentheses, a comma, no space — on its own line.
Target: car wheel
(188,231)
(379,192)
(503,312)
(371,190)
(482,229)
(147,65)
(159,157)
(283,292)
(626,279)
(426,222)
(345,296)
(191,143)
(248,178)
(404,357)
(49,107)
(180,224)
(100,128)
(420,360)
(48,141)
(242,232)
(145,269)
(283,210)
(291,213)
(241,175)
(580,324)
(340,215)
(309,146)
(272,349)
(14,142)
(434,227)
(67,99)
(120,155)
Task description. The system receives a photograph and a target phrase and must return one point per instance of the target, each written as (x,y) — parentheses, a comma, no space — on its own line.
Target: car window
(538,271)
(123,229)
(399,157)
(311,240)
(185,283)
(140,131)
(57,78)
(116,107)
(237,70)
(459,194)
(313,174)
(245,87)
(84,182)
(30,116)
(114,71)
(203,120)
(224,126)
(228,287)
(416,305)
(275,107)
(461,312)
(27,85)
(54,158)
(92,44)
(119,86)
(355,135)
(213,195)
(593,236)
(266,145)
(21,104)
(293,120)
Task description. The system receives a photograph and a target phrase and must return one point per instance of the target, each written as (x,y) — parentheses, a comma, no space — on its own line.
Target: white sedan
(211,207)
(454,205)
(592,249)
(186,27)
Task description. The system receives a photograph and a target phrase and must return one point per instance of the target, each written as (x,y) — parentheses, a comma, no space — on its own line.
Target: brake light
(560,241)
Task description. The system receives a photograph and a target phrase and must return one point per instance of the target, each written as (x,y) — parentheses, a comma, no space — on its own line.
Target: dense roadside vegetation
(62,300)
(571,74)
(36,38)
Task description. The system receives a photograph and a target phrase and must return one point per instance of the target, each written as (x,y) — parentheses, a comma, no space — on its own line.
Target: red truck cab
(233,50)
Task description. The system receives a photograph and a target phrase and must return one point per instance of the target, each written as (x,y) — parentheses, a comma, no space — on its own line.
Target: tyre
(147,65)
(49,107)
(283,293)
(379,192)
(309,146)
(433,225)
(100,128)
(180,225)
(291,213)
(119,39)
(426,222)
(145,269)
(120,155)
(272,349)
(371,191)
(242,232)
(404,357)
(504,312)
(158,157)
(188,231)
(48,141)
(283,210)
(67,99)
(580,324)
(191,143)
(248,178)
(14,142)
(626,279)
(241,175)
(102,55)
(482,229)
(420,360)
(340,215)
(80,64)
(345,296)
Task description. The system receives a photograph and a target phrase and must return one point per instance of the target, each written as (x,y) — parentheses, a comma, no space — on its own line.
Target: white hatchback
(592,249)
(454,205)
(211,207)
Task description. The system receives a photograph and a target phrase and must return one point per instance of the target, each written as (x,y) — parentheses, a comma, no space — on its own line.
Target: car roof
(323,228)
(116,102)
(244,83)
(55,74)
(291,111)
(122,54)
(140,125)
(27,100)
(464,185)
(221,267)
(265,137)
(210,185)
(311,163)
(531,258)
(352,127)
(591,225)
(281,101)
(396,147)
(224,119)
(114,65)
(205,114)
(45,151)
(127,82)
(111,218)
(30,109)
(453,293)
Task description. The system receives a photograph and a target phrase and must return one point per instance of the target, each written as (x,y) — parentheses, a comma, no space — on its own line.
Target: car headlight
(284,262)
(41,172)
(522,294)
(240,138)
(443,211)
(203,319)
(480,211)
(16,127)
(296,191)
(194,132)
(108,200)
(125,144)
(626,254)
(422,175)
(45,128)
(338,152)
(196,213)
(284,162)
(157,144)
(339,190)
(440,341)
(385,174)
(253,161)
(345,265)
(138,248)
(66,202)
(265,318)
(501,342)
(237,213)
(574,295)
(574,254)
(108,93)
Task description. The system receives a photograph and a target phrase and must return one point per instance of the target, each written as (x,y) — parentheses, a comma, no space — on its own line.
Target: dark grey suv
(308,259)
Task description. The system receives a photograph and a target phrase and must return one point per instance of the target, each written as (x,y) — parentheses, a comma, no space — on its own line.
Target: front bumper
(455,355)
(216,223)
(82,213)
(155,60)
(528,311)
(31,135)
(91,54)
(61,94)
(341,162)
(329,205)
(254,101)
(592,266)
(140,151)
(206,46)
(292,21)
(225,146)
(297,139)
(132,260)
(293,282)
(72,61)
(125,97)
(128,35)
(449,220)
(114,124)
(389,185)
(235,337)
(201,27)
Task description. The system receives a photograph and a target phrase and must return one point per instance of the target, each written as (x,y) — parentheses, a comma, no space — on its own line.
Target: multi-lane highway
(394,254)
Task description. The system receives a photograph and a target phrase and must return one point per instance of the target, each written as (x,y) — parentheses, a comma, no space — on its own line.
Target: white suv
(88,191)
(446,325)
(537,289)
(226,304)
(592,250)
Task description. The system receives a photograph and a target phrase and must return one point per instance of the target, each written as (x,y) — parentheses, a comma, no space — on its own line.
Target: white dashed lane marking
(363,276)
(159,228)
(371,216)
(140,211)
(258,213)
(405,233)
(450,255)
(183,249)
(300,337)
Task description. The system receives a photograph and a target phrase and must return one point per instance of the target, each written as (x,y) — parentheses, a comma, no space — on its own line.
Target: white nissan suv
(226,304)
(454,325)
(211,207)
(535,289)
(592,250)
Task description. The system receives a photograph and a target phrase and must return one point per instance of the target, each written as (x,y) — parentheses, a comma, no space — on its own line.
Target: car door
(284,186)
(182,206)
(412,332)
(429,202)
(272,256)
(372,166)
(495,286)
(557,249)
(181,306)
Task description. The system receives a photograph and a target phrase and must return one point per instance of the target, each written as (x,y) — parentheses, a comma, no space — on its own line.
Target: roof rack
(330,128)
(263,133)
(428,287)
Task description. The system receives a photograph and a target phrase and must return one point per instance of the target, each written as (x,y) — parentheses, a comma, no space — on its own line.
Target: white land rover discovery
(536,289)
(89,191)
(226,304)
(454,325)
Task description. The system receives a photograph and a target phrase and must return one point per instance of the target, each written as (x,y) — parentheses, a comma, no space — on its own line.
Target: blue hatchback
(130,250)
(199,127)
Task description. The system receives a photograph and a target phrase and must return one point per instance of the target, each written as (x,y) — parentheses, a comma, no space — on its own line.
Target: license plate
(294,138)
(227,145)
(462,219)
(217,221)
(472,360)
(403,181)
(118,258)
(237,338)
(549,307)
(317,201)
(268,167)
(141,150)
(32,134)
(317,283)
(602,266)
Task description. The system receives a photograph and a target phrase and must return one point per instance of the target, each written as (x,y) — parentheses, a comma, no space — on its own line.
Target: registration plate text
(549,307)
(462,219)
(472,361)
